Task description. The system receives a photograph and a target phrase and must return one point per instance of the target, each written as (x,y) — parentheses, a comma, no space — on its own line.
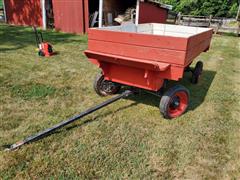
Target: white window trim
(44,16)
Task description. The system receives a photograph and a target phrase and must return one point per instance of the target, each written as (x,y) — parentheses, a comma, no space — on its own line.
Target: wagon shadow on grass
(198,92)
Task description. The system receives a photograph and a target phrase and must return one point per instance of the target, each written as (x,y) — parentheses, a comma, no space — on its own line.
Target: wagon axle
(174,102)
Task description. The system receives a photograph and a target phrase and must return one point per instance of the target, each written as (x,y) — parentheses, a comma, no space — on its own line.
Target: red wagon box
(146,55)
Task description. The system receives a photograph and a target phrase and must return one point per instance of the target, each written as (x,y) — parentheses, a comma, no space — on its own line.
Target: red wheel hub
(178,104)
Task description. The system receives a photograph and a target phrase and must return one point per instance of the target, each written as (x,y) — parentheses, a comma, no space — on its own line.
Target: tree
(217,8)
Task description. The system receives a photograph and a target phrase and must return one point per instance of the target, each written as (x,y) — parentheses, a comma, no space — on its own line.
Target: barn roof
(157,2)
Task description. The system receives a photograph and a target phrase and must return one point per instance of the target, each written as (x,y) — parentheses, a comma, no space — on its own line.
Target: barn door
(23,12)
(69,16)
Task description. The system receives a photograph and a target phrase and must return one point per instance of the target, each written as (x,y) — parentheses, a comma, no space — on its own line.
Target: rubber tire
(197,72)
(99,79)
(167,97)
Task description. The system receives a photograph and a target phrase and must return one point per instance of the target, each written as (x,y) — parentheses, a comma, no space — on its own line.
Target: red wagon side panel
(154,48)
(145,40)
(154,54)
(24,12)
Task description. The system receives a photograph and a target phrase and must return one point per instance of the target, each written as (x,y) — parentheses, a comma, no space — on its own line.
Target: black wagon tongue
(66,122)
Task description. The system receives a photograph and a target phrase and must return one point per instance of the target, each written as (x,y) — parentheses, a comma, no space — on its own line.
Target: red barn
(67,16)
(23,12)
(75,16)
(153,12)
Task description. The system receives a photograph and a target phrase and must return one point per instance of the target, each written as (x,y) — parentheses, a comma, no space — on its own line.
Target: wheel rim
(108,87)
(178,104)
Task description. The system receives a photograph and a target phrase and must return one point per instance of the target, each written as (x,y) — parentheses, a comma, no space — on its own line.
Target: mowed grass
(128,139)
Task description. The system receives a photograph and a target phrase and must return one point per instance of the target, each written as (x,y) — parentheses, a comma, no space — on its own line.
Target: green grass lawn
(128,139)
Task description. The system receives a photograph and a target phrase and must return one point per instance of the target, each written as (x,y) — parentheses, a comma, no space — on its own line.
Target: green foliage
(217,8)
(233,10)
(1,4)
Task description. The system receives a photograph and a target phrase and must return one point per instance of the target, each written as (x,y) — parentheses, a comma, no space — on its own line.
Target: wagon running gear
(103,87)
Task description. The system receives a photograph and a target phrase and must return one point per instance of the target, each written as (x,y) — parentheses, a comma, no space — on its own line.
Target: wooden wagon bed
(148,53)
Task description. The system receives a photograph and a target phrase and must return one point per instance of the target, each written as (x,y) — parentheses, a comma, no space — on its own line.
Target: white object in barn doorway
(100,17)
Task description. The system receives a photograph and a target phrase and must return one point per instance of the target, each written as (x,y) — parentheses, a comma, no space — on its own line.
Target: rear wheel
(174,102)
(103,87)
(197,72)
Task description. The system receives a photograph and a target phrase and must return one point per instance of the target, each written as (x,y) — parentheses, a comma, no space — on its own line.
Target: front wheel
(174,102)
(103,87)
